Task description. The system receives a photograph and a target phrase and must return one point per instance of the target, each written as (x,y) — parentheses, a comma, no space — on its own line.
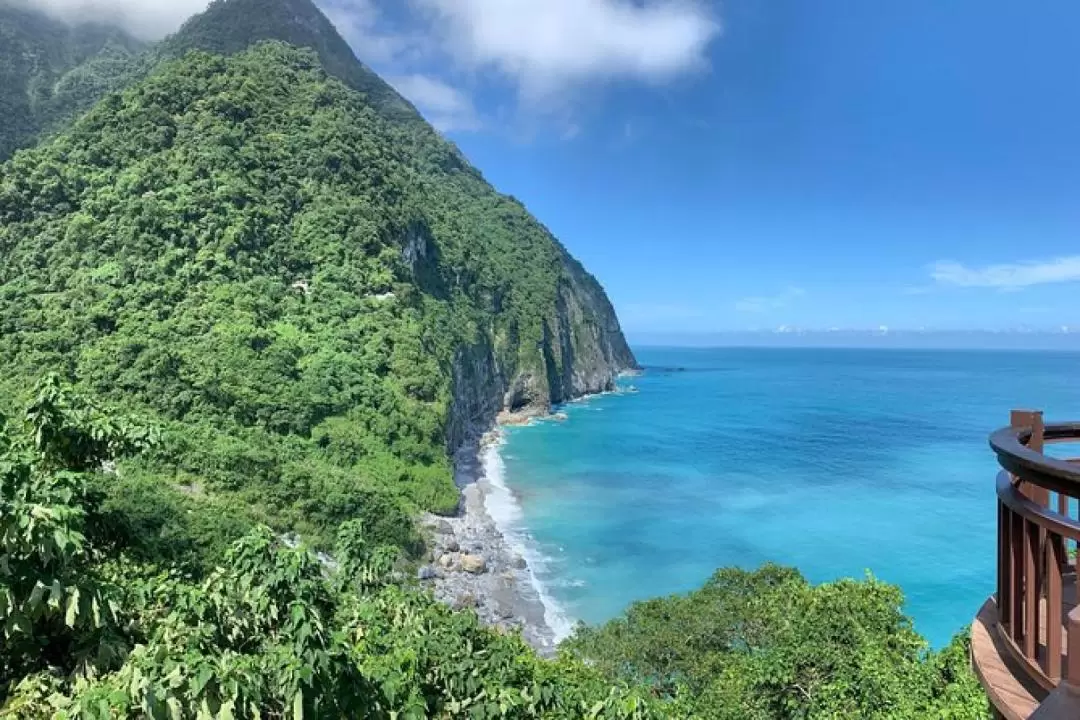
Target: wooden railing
(1038,534)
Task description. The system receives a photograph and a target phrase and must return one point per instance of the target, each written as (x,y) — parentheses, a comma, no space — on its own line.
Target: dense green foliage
(51,72)
(88,631)
(231,26)
(244,249)
(767,645)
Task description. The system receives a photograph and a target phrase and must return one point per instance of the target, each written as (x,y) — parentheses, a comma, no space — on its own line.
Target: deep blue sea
(839,462)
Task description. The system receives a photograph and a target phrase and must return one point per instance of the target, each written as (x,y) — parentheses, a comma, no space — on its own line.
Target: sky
(754,164)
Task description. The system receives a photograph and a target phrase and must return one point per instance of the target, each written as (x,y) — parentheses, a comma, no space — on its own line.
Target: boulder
(446,561)
(519,563)
(425,573)
(444,528)
(464,600)
(474,564)
(452,545)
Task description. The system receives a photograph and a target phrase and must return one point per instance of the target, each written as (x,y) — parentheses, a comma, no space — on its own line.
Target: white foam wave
(505,511)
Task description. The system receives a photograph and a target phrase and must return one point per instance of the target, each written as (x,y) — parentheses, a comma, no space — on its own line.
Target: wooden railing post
(1072,669)
(1032,419)
(1032,542)
(1056,560)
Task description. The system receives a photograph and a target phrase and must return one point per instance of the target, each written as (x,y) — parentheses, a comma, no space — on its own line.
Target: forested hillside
(231,26)
(50,72)
(243,249)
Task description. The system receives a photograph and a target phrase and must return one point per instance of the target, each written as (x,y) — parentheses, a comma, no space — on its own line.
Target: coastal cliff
(308,287)
(583,351)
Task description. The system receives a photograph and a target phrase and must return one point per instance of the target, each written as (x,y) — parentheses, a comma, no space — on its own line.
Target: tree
(92,631)
(767,645)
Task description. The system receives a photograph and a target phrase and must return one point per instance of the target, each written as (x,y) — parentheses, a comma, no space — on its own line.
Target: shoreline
(482,557)
(477,563)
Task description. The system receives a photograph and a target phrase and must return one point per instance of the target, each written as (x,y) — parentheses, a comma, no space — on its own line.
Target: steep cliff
(577,349)
(582,348)
(315,299)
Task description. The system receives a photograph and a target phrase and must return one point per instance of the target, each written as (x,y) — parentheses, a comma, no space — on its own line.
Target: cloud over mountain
(147,19)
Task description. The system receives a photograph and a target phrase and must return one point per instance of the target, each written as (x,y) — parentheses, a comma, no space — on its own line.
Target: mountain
(50,71)
(581,345)
(318,299)
(231,26)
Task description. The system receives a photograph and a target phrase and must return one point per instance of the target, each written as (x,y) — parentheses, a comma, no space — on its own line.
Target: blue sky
(838,163)
(758,163)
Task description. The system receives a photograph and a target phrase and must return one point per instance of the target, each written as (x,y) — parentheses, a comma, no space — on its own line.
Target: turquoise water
(838,462)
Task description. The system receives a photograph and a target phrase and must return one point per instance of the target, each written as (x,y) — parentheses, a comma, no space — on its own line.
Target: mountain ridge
(433,303)
(230,26)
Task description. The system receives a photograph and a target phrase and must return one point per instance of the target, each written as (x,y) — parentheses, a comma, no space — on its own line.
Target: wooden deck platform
(1025,642)
(1003,672)
(1007,682)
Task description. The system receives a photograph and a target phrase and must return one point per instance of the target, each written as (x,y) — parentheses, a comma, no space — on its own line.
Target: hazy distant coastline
(1062,340)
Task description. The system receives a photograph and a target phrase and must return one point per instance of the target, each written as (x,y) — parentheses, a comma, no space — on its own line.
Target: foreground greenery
(90,631)
(767,644)
(92,627)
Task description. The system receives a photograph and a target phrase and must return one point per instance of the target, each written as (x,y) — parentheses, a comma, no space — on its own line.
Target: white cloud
(766,303)
(549,45)
(545,50)
(1008,276)
(373,39)
(445,107)
(148,20)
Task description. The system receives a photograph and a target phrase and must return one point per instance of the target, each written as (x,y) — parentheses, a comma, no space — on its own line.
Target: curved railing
(1038,535)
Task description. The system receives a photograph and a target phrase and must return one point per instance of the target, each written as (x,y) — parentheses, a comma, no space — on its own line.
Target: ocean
(838,462)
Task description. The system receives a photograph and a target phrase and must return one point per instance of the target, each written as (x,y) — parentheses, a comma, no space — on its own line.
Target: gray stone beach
(472,565)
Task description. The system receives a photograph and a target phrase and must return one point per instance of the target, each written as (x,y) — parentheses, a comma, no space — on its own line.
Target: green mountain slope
(309,296)
(50,72)
(231,26)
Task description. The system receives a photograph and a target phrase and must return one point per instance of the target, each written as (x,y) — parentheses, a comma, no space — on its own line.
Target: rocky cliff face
(582,353)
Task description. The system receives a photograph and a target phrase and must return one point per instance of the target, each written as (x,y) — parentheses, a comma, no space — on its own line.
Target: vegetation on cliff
(51,72)
(243,249)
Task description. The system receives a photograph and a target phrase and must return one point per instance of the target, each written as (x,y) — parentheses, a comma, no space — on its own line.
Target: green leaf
(36,595)
(201,679)
(72,608)
(298,705)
